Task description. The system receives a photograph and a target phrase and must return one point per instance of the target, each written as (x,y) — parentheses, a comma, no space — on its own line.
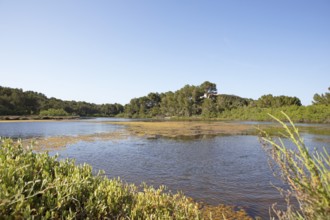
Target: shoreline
(35,118)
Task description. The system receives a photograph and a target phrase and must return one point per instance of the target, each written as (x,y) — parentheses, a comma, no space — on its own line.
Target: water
(226,169)
(54,128)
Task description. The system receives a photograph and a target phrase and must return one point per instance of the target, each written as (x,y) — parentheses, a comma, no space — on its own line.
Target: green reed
(306,172)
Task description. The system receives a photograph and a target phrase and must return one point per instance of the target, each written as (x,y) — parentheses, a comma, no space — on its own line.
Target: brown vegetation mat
(175,129)
(62,141)
(224,212)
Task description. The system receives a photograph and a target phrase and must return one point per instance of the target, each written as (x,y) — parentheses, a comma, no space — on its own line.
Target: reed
(306,172)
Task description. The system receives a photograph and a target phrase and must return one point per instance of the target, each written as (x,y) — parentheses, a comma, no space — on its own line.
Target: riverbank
(13,118)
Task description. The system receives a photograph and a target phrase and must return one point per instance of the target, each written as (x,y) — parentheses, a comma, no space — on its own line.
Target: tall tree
(210,89)
(323,99)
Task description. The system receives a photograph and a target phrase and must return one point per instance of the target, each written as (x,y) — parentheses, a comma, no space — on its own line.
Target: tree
(18,102)
(323,99)
(208,108)
(229,102)
(210,89)
(270,101)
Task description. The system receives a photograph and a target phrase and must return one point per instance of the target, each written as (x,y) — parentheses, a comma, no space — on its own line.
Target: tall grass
(38,186)
(306,172)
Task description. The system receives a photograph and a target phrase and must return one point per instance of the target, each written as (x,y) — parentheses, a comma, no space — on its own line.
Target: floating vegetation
(62,141)
(175,129)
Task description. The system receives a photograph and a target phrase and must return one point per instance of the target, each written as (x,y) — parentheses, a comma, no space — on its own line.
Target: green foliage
(38,186)
(268,101)
(307,174)
(323,99)
(190,101)
(185,102)
(203,101)
(17,102)
(307,114)
(208,108)
(209,89)
(53,112)
(229,102)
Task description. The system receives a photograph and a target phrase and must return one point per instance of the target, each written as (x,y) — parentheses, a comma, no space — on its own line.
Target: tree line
(19,102)
(189,101)
(202,100)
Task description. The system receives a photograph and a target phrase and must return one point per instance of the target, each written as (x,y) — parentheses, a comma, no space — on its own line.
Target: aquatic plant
(39,186)
(306,172)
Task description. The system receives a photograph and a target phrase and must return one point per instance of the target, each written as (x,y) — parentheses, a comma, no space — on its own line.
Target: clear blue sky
(106,51)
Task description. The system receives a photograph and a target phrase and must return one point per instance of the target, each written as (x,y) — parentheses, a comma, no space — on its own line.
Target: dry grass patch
(223,212)
(62,141)
(178,129)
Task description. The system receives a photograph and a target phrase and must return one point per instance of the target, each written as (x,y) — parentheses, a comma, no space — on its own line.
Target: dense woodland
(201,101)
(18,102)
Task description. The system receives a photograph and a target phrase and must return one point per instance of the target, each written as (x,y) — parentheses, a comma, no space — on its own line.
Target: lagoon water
(225,169)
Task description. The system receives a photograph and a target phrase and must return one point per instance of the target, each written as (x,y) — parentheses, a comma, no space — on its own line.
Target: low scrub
(53,112)
(36,185)
(306,172)
(307,114)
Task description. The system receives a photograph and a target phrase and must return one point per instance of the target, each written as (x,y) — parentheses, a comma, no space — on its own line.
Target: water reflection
(230,169)
(53,128)
(223,169)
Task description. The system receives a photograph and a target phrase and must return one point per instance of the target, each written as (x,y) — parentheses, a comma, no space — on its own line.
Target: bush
(53,112)
(36,185)
(312,113)
(306,173)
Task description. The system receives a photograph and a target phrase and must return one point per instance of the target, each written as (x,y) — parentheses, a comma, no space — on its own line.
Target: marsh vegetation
(39,185)
(209,167)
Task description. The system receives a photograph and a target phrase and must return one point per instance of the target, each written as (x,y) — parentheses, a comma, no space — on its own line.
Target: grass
(175,129)
(189,129)
(47,143)
(183,130)
(306,172)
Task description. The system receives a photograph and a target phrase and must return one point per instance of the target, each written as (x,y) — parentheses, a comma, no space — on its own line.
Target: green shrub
(307,174)
(312,113)
(36,185)
(53,112)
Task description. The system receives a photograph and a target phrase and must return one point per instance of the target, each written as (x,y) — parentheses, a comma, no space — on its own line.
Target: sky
(110,51)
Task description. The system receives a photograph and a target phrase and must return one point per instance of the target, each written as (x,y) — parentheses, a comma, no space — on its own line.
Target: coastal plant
(53,112)
(40,186)
(306,172)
